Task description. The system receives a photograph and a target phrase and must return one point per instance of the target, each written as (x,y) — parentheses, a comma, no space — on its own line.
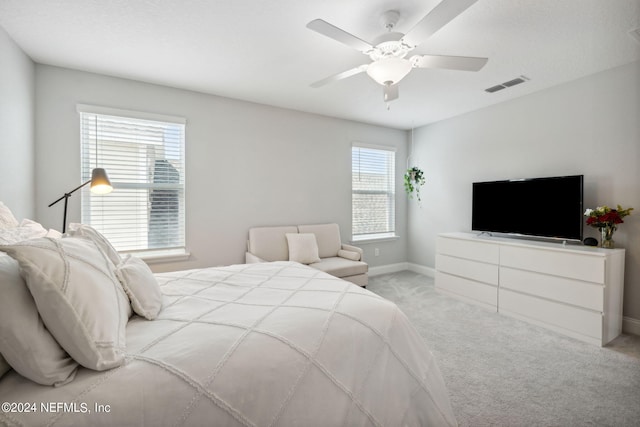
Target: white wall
(16,128)
(590,126)
(247,164)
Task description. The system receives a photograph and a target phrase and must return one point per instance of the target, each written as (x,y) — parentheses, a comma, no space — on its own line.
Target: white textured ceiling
(261,51)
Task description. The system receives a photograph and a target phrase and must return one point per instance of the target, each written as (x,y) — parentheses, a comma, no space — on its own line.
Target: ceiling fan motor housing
(389,45)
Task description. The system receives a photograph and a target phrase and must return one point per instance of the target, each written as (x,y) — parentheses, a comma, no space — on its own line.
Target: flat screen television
(541,207)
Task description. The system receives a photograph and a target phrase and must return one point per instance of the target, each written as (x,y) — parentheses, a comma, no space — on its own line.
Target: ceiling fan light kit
(389,71)
(389,66)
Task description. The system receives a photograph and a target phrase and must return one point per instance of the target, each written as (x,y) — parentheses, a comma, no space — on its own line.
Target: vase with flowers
(606,220)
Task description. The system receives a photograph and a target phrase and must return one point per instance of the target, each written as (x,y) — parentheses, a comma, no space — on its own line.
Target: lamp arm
(66,199)
(67,195)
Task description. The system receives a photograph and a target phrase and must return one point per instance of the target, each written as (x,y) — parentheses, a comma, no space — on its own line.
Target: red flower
(611,217)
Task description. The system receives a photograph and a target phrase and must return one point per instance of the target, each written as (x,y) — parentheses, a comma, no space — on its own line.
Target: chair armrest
(351,249)
(252,259)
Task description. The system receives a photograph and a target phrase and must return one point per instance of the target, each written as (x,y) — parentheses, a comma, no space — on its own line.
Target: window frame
(150,254)
(390,192)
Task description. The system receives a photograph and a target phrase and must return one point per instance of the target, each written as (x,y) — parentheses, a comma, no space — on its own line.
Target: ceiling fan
(389,51)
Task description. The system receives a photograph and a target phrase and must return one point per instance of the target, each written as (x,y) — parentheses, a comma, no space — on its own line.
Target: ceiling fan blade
(331,31)
(390,92)
(340,76)
(439,16)
(463,63)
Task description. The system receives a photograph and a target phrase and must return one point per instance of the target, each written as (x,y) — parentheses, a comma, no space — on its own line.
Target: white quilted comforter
(274,344)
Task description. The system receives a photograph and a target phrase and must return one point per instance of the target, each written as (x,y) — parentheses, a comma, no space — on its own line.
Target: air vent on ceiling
(505,85)
(635,34)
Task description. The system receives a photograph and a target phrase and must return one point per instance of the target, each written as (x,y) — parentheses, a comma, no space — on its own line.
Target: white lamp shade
(100,183)
(389,70)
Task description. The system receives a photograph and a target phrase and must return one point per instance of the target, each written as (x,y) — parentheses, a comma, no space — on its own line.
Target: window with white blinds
(143,155)
(373,192)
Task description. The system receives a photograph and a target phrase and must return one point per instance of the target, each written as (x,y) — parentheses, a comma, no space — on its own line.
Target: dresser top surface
(535,244)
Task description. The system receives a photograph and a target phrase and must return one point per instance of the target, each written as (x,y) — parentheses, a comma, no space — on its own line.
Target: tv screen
(543,207)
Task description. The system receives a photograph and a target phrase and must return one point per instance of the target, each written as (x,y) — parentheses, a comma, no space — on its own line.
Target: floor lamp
(100,184)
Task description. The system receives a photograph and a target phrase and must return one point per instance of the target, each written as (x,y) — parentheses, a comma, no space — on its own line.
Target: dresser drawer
(473,291)
(586,267)
(581,321)
(583,294)
(469,249)
(475,270)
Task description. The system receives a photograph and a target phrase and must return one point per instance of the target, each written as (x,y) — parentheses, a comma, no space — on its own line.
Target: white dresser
(574,290)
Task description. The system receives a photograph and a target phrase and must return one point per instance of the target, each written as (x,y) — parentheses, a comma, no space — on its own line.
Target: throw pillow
(103,243)
(78,296)
(303,248)
(141,286)
(25,343)
(353,256)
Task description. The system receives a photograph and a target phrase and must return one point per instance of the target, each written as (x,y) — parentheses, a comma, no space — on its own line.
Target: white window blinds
(373,192)
(145,162)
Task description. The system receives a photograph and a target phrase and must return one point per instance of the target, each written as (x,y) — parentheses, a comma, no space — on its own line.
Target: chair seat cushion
(340,267)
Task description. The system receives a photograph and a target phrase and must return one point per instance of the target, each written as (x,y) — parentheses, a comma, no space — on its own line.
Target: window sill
(158,257)
(374,239)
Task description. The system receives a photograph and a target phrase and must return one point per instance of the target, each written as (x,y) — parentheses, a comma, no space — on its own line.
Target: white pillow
(25,343)
(303,248)
(27,229)
(141,286)
(353,256)
(78,297)
(7,220)
(89,232)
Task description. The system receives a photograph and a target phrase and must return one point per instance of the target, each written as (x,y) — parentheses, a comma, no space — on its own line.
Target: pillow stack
(134,275)
(25,344)
(66,301)
(78,297)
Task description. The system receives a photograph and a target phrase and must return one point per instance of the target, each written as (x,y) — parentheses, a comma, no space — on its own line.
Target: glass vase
(607,236)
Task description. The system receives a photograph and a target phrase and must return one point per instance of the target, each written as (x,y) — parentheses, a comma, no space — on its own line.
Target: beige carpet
(505,372)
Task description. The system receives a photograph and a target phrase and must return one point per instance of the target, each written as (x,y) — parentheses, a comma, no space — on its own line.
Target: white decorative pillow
(78,296)
(25,343)
(4,366)
(141,286)
(353,256)
(89,232)
(7,220)
(27,229)
(303,248)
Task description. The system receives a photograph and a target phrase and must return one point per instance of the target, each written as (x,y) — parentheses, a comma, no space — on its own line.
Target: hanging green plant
(413,180)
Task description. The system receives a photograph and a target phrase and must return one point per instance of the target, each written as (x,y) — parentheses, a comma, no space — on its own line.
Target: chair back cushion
(327,236)
(270,243)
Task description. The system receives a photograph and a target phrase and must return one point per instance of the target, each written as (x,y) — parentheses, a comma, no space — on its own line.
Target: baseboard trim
(422,269)
(389,268)
(402,266)
(630,325)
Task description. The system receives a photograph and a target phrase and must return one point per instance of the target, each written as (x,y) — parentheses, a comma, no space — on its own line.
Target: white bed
(267,344)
